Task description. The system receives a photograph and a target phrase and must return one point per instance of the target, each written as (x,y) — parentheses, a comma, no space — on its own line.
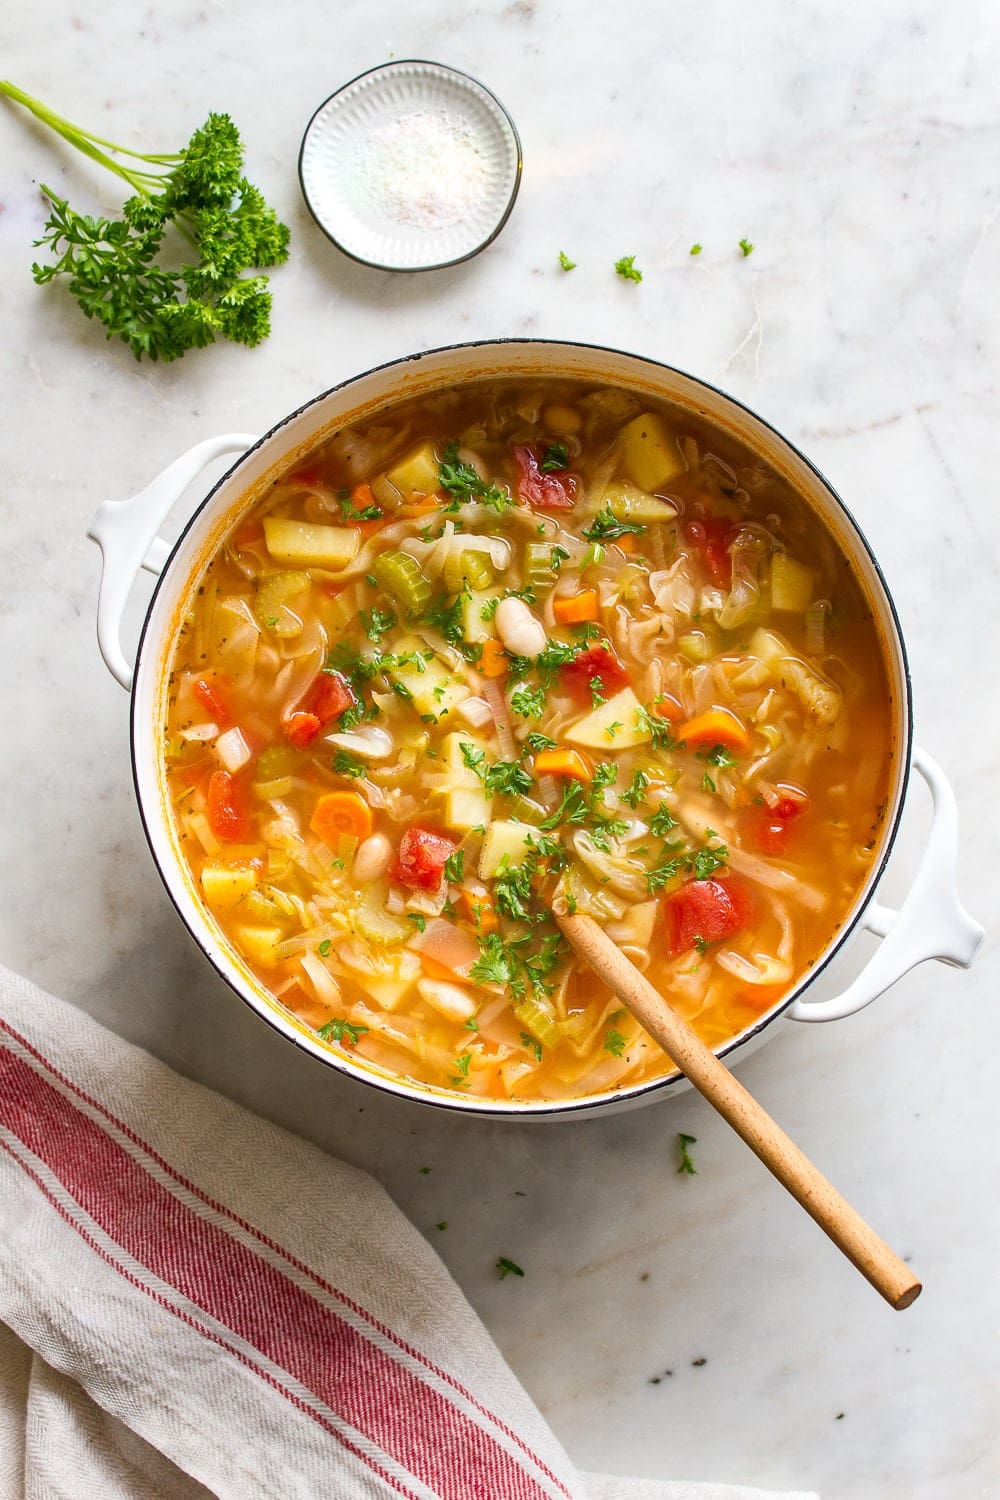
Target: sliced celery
(277,761)
(538,569)
(399,575)
(468,566)
(538,1020)
(695,646)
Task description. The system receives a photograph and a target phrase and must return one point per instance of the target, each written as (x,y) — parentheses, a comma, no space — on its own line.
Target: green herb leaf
(535,1048)
(346,764)
(636,789)
(454,867)
(606,527)
(687,1165)
(556,456)
(418,919)
(695,250)
(464,484)
(508,1267)
(614,1042)
(627,268)
(746,247)
(565,262)
(342,1031)
(324,948)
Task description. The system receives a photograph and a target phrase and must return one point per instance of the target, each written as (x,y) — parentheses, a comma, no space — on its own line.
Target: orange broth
(519,645)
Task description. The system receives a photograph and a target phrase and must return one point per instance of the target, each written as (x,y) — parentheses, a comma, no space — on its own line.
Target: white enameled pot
(930,922)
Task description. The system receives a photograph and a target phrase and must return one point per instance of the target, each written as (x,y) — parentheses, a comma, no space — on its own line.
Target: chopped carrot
(577,608)
(362,496)
(480,912)
(718,726)
(568,763)
(493,662)
(340,813)
(627,543)
(420,505)
(666,706)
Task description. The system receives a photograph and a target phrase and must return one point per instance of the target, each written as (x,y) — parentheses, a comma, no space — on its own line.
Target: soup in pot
(517,647)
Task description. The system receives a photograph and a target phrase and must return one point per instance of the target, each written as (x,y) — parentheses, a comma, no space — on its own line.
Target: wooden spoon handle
(845,1226)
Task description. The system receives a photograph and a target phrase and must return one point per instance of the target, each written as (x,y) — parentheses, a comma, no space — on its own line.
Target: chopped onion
(233,750)
(494,695)
(200,732)
(476,712)
(369,742)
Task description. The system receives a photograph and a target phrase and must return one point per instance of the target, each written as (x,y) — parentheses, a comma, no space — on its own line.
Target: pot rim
(588,1105)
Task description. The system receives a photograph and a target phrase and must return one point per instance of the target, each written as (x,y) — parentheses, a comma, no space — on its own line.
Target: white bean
(521,631)
(371,859)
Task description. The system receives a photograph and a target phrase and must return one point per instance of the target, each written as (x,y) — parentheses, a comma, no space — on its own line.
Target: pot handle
(125,531)
(931,923)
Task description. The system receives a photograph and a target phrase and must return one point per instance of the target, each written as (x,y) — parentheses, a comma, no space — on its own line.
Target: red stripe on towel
(409,1420)
(325,1286)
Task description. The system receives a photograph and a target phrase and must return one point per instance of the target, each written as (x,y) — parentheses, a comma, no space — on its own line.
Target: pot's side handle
(125,531)
(931,923)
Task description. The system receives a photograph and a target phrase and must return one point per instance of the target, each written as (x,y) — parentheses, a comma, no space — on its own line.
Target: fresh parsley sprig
(112,266)
(464,484)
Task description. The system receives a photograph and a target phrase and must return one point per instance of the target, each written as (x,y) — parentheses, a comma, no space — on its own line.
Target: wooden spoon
(793,1169)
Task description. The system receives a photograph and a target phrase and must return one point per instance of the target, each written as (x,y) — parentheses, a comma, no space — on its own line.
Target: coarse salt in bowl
(411,167)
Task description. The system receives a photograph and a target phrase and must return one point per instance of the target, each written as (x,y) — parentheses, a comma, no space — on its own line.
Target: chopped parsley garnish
(636,789)
(376,622)
(695,249)
(687,1165)
(474,759)
(626,268)
(702,863)
(508,1267)
(472,1024)
(614,1042)
(558,556)
(507,778)
(662,821)
(512,890)
(441,1224)
(418,919)
(702,946)
(658,729)
(709,858)
(534,1047)
(587,630)
(565,262)
(465,484)
(597,693)
(537,742)
(718,756)
(454,867)
(707,784)
(489,609)
(746,247)
(351,717)
(612,729)
(348,511)
(339,1030)
(346,764)
(556,456)
(606,527)
(528,702)
(324,948)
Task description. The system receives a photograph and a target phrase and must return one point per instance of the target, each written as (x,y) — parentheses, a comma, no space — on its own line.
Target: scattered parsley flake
(746,247)
(695,250)
(454,867)
(418,919)
(687,1165)
(606,527)
(627,269)
(341,1030)
(556,456)
(614,1042)
(442,1224)
(346,764)
(535,1048)
(508,1267)
(565,262)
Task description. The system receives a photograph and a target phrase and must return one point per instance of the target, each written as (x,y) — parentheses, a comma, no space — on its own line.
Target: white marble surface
(858,148)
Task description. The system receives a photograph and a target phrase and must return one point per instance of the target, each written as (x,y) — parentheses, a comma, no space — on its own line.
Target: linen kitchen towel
(194,1302)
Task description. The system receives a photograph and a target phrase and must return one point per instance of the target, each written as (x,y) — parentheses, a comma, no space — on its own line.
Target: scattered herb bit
(702,946)
(465,484)
(565,262)
(710,858)
(349,512)
(537,742)
(339,1030)
(597,693)
(627,268)
(707,784)
(662,821)
(658,729)
(507,778)
(606,527)
(472,1024)
(346,764)
(533,1047)
(613,729)
(418,919)
(508,1267)
(442,1224)
(528,702)
(474,759)
(454,867)
(695,250)
(489,609)
(746,247)
(718,756)
(376,622)
(636,789)
(556,456)
(158,310)
(557,557)
(587,630)
(614,1042)
(593,557)
(324,948)
(424,1171)
(687,1165)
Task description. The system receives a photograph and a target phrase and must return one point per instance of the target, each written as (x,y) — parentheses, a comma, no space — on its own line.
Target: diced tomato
(301,729)
(420,859)
(211,694)
(328,696)
(709,536)
(597,661)
(554,491)
(770,826)
(226,809)
(705,910)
